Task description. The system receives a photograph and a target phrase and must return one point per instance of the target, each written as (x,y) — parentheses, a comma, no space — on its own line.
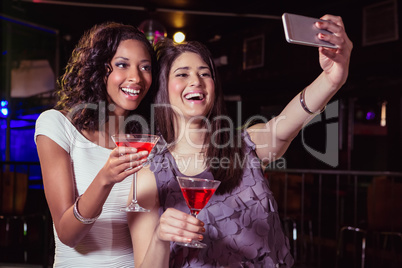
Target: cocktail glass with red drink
(142,142)
(196,192)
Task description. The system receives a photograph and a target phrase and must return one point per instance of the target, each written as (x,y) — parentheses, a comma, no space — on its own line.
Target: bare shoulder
(256,128)
(147,190)
(146,174)
(258,131)
(49,150)
(146,181)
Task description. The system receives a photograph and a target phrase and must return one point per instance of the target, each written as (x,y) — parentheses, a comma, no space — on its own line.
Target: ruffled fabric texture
(243,229)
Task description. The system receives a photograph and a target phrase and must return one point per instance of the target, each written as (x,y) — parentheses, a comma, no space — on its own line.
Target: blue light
(4,108)
(6,18)
(370,115)
(4,111)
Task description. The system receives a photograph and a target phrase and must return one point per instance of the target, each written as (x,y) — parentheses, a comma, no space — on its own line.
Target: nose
(195,81)
(134,75)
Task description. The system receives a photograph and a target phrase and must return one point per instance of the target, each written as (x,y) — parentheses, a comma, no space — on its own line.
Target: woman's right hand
(175,225)
(335,62)
(123,162)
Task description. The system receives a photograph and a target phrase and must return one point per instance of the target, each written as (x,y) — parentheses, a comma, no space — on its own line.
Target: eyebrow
(127,59)
(187,68)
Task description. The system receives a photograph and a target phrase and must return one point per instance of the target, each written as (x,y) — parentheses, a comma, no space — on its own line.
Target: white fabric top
(108,243)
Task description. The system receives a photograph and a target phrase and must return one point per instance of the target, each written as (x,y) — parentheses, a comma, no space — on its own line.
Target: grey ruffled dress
(243,228)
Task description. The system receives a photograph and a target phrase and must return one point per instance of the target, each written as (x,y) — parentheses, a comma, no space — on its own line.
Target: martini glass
(142,142)
(197,193)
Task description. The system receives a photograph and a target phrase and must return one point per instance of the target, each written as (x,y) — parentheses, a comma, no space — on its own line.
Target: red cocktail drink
(142,142)
(197,198)
(197,193)
(140,146)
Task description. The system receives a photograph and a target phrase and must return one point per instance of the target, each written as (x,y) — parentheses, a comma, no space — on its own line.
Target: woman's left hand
(335,62)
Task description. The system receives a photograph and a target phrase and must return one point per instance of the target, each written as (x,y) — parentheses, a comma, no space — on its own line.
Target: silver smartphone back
(301,30)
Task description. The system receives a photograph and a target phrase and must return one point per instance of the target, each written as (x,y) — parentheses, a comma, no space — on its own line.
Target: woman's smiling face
(191,86)
(131,77)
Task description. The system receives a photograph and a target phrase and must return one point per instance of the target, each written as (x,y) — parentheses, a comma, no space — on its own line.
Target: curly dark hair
(83,84)
(167,52)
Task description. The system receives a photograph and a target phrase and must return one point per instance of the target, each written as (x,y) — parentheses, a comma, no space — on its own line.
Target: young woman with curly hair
(108,75)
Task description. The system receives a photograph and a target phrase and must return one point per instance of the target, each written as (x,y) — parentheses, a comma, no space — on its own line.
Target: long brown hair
(167,52)
(84,81)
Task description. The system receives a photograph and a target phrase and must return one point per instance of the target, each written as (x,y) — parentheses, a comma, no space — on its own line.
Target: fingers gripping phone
(301,30)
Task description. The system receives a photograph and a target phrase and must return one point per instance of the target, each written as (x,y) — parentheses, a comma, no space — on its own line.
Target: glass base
(134,207)
(192,244)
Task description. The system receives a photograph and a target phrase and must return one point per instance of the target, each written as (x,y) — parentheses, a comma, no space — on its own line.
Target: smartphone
(301,30)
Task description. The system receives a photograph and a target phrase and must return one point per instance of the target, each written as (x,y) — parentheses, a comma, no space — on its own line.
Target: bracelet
(79,217)
(304,106)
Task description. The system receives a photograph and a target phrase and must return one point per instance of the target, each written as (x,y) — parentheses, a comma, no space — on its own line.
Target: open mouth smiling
(130,91)
(195,96)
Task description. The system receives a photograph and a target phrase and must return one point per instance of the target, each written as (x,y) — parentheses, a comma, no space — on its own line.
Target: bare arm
(60,190)
(151,234)
(273,138)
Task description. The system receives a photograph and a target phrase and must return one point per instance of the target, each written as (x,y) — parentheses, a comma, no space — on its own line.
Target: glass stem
(135,188)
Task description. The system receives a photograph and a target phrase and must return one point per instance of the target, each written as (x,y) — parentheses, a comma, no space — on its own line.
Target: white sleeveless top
(108,243)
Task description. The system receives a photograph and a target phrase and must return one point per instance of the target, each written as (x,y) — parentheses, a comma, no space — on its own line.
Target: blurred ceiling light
(179,19)
(179,37)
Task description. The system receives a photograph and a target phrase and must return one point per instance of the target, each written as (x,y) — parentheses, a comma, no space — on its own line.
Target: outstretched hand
(335,62)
